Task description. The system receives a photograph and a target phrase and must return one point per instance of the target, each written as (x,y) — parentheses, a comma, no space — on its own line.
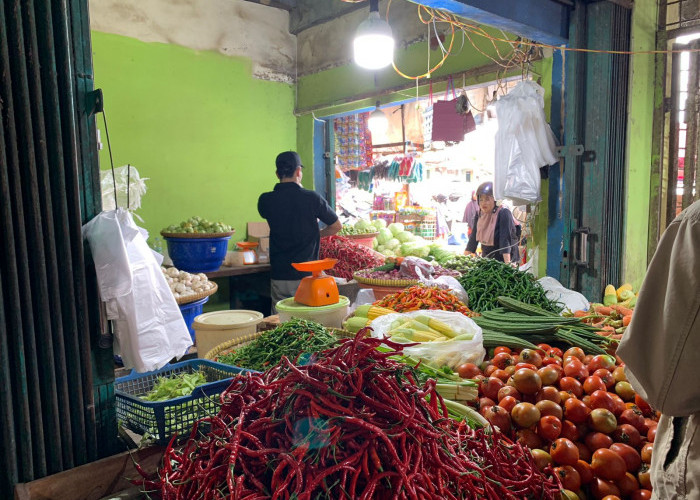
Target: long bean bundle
(487,279)
(295,338)
(353,425)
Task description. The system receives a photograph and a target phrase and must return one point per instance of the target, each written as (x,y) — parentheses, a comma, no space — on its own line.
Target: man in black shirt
(293,214)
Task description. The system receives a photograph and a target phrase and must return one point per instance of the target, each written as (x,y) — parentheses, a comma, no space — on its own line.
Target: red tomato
(557,352)
(603,399)
(646,452)
(530,356)
(529,366)
(625,391)
(651,435)
(605,376)
(542,458)
(490,388)
(488,371)
(548,375)
(576,411)
(498,417)
(501,360)
(627,434)
(583,452)
(577,370)
(527,381)
(485,403)
(643,405)
(468,370)
(501,349)
(611,497)
(564,452)
(577,352)
(619,404)
(597,440)
(501,374)
(629,455)
(508,403)
(525,415)
(564,395)
(619,374)
(571,385)
(604,361)
(528,438)
(644,477)
(601,488)
(592,384)
(509,390)
(602,420)
(549,408)
(544,347)
(641,495)
(585,471)
(549,428)
(549,394)
(569,477)
(633,418)
(569,430)
(550,359)
(628,484)
(608,465)
(587,359)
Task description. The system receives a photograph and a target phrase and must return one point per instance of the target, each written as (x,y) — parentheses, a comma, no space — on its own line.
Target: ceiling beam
(545,21)
(278,4)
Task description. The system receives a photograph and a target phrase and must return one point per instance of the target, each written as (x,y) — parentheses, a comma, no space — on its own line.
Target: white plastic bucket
(331,316)
(214,328)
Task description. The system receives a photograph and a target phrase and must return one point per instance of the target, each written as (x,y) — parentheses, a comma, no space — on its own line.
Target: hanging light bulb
(378,123)
(374,43)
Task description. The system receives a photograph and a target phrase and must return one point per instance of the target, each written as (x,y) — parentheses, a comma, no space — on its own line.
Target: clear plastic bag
(127,178)
(450,353)
(524,143)
(571,299)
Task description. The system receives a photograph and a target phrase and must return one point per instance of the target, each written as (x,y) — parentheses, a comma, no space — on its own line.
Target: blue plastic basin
(197,255)
(189,311)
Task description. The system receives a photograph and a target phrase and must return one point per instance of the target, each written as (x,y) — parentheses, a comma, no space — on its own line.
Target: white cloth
(148,325)
(661,351)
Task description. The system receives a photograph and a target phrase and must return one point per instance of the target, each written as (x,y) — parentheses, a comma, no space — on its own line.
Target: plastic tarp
(148,325)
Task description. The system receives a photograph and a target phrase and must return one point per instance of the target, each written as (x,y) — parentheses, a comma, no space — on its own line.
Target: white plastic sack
(135,185)
(148,325)
(524,143)
(450,353)
(571,299)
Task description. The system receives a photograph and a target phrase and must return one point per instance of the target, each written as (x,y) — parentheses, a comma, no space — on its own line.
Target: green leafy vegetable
(175,386)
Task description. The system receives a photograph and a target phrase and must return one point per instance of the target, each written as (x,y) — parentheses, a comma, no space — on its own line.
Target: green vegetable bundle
(488,279)
(198,225)
(296,339)
(175,386)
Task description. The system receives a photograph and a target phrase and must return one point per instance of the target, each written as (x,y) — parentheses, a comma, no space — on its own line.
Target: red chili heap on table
(354,424)
(351,256)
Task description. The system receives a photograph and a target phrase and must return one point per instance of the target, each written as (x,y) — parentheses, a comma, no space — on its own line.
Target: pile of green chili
(487,279)
(296,339)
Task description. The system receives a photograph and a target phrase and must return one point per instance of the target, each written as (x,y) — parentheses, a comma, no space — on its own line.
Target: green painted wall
(639,142)
(197,124)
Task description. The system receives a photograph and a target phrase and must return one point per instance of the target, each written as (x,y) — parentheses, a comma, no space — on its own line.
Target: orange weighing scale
(318,289)
(249,255)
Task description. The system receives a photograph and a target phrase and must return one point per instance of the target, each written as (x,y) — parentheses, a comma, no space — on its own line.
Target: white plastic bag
(524,143)
(450,353)
(571,299)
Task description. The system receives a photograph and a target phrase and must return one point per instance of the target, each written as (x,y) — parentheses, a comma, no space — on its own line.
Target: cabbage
(379,223)
(374,243)
(416,249)
(380,248)
(384,236)
(392,243)
(388,253)
(404,236)
(361,225)
(395,228)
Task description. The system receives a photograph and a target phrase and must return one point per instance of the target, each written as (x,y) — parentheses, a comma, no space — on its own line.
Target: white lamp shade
(378,123)
(374,44)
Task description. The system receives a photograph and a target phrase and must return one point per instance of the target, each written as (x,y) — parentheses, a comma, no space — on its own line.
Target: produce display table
(232,272)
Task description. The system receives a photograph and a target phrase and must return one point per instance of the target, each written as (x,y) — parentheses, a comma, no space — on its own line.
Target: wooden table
(232,272)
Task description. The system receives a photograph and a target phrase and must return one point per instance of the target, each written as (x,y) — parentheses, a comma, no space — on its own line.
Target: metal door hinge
(570,150)
(326,155)
(95,102)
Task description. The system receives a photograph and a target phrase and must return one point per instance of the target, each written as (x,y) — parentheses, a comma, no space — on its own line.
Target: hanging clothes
(148,325)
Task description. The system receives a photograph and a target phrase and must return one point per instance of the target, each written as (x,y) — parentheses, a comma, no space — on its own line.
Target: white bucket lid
(224,320)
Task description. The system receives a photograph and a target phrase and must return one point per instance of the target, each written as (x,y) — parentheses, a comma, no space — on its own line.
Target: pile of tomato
(577,413)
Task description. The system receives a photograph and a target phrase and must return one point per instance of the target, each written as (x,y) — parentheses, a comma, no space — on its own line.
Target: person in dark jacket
(493,228)
(293,214)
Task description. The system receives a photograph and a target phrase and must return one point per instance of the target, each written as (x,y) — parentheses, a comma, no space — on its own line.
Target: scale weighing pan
(316,290)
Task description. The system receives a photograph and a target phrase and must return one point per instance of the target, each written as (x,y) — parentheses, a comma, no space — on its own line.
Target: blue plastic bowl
(190,311)
(197,255)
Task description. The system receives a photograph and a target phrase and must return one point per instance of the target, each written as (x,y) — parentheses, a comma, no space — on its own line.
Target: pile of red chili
(419,297)
(351,256)
(354,424)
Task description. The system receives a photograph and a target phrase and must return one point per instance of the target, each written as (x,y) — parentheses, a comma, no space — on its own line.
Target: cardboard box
(260,232)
